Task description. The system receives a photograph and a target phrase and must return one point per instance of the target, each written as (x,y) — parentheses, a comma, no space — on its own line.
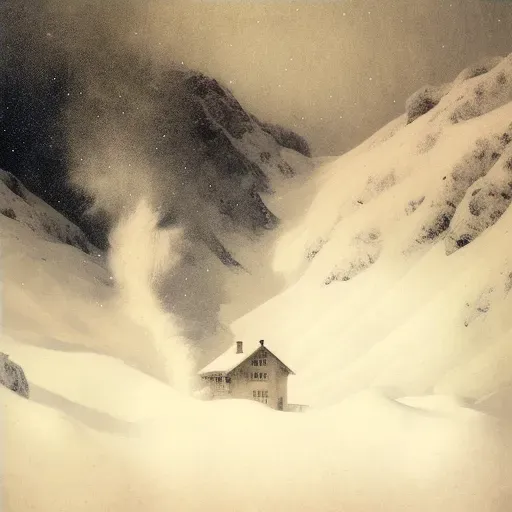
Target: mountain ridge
(398,276)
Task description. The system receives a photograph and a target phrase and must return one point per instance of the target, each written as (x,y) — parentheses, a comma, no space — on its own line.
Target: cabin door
(280,404)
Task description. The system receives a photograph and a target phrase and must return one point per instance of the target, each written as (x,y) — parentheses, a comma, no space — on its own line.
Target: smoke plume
(140,254)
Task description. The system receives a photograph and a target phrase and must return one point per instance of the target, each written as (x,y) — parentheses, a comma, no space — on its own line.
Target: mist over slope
(94,123)
(400,270)
(79,87)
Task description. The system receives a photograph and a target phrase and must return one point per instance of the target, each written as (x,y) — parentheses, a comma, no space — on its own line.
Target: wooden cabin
(251,372)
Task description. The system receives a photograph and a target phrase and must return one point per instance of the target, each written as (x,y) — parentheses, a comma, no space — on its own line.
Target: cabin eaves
(230,360)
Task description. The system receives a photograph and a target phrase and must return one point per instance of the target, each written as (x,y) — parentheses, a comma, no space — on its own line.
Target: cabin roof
(230,359)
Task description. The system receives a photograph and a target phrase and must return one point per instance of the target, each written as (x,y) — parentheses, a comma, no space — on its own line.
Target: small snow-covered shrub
(315,248)
(78,242)
(508,282)
(464,240)
(9,212)
(367,245)
(423,101)
(413,205)
(485,198)
(480,306)
(381,184)
(428,143)
(376,185)
(477,69)
(13,184)
(286,169)
(486,95)
(464,112)
(354,268)
(436,227)
(501,78)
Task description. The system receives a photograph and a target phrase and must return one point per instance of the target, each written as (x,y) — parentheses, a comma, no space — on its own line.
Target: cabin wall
(243,384)
(282,388)
(218,387)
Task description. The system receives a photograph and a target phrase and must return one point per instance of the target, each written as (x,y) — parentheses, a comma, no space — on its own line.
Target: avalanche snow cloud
(139,254)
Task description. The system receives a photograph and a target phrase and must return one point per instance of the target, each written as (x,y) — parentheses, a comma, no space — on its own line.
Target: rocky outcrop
(13,377)
(18,204)
(423,101)
(212,157)
(487,199)
(287,138)
(485,96)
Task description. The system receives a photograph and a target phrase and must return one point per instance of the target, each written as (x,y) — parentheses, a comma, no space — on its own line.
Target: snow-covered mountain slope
(57,289)
(175,138)
(209,160)
(18,204)
(100,433)
(400,271)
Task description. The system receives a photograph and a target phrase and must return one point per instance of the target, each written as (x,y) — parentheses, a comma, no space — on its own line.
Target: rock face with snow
(187,146)
(245,153)
(13,377)
(212,160)
(21,206)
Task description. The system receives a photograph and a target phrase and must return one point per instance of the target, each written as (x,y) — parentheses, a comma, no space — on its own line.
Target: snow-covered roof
(231,359)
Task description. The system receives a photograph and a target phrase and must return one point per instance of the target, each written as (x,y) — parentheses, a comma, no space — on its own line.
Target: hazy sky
(336,70)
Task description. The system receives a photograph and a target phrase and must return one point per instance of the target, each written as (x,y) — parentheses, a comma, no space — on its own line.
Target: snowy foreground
(112,439)
(397,303)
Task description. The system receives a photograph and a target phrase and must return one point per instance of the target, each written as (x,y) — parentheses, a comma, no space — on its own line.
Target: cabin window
(260,396)
(259,376)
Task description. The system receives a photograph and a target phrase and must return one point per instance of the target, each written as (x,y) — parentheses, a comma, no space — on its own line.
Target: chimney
(239,347)
(262,342)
